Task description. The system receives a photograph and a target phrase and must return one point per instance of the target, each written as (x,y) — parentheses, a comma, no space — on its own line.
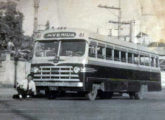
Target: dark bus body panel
(117,79)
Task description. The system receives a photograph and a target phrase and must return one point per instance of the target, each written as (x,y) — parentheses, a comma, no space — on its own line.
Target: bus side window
(152,61)
(130,58)
(109,53)
(92,50)
(116,55)
(157,62)
(101,52)
(142,58)
(136,58)
(123,56)
(147,60)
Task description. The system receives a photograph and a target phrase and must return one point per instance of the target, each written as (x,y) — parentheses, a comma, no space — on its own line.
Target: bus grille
(56,73)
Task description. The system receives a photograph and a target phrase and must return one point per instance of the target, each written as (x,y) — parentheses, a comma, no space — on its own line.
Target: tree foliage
(11,25)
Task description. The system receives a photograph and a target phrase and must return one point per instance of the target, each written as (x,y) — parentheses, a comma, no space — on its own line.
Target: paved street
(74,108)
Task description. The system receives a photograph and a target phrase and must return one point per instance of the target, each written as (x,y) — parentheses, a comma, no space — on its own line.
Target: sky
(149,15)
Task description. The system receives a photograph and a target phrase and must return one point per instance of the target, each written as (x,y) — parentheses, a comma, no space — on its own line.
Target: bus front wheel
(93,93)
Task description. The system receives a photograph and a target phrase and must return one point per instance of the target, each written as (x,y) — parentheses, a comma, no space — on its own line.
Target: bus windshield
(46,48)
(67,48)
(72,48)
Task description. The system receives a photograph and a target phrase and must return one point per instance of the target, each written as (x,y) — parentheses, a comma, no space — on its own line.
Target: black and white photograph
(82,59)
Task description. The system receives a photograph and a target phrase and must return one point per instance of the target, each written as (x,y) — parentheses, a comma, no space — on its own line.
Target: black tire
(138,96)
(135,95)
(131,95)
(92,95)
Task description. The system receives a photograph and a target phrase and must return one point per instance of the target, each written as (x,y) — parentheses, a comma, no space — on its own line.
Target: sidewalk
(7,92)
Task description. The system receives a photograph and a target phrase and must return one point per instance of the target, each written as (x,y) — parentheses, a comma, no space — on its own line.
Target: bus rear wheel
(131,95)
(138,95)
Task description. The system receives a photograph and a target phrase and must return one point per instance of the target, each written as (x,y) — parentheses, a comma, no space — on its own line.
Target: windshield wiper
(56,58)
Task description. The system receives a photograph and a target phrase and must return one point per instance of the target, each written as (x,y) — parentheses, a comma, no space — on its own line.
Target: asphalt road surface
(152,107)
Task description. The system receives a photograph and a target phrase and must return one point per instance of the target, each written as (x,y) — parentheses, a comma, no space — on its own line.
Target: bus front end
(59,60)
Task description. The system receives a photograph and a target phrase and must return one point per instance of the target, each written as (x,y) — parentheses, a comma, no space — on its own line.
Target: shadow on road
(16,112)
(74,96)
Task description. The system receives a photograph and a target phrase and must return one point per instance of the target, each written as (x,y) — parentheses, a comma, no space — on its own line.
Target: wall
(7,73)
(163,78)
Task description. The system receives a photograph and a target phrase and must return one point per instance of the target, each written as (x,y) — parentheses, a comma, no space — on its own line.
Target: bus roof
(87,35)
(121,43)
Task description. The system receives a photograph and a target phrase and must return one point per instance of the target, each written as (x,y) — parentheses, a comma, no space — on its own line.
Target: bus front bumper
(59,84)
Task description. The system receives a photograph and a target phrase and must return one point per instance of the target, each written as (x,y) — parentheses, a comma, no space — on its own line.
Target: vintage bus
(96,65)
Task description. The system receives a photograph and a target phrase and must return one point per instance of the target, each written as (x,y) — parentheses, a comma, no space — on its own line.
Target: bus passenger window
(152,61)
(123,56)
(116,55)
(157,62)
(101,52)
(130,58)
(142,59)
(136,58)
(147,60)
(92,51)
(109,53)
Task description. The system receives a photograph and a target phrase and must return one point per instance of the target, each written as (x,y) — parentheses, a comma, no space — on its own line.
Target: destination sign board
(60,35)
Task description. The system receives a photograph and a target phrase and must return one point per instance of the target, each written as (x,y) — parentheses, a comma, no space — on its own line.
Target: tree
(11,29)
(12,19)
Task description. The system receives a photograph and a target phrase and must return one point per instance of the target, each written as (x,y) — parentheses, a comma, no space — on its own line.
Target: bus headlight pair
(76,69)
(35,69)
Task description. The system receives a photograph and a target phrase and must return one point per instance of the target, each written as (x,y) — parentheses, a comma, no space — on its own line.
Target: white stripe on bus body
(117,64)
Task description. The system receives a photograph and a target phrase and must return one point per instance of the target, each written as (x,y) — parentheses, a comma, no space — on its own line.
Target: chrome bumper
(59,84)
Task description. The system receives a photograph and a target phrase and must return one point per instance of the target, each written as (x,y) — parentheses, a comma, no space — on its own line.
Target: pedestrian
(26,88)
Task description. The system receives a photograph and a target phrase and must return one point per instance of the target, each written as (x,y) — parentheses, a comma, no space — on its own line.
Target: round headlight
(76,69)
(35,69)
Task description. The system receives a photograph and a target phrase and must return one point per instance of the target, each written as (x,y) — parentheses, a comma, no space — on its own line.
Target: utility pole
(119,19)
(125,23)
(119,14)
(36,7)
(143,14)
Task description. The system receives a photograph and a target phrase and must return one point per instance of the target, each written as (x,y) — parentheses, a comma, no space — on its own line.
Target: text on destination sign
(60,35)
